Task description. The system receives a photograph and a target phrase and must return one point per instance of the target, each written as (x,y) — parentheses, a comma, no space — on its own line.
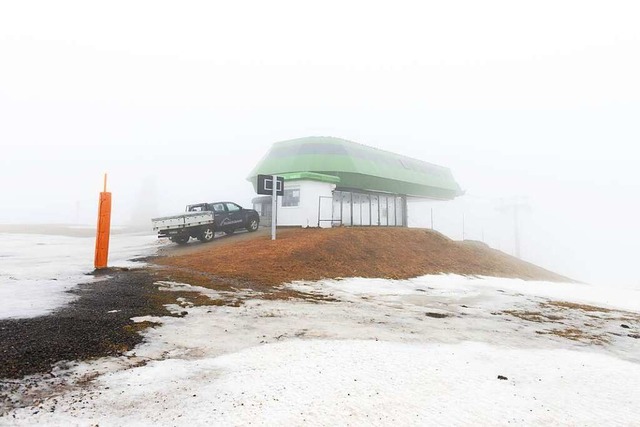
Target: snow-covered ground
(37,270)
(428,350)
(413,352)
(362,382)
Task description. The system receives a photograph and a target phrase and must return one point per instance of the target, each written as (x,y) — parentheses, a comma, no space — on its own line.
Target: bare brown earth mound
(313,254)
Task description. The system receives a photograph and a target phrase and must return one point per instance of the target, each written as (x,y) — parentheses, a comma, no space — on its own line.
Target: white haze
(178,101)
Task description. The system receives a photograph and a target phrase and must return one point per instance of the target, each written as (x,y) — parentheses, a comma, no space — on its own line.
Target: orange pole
(103,229)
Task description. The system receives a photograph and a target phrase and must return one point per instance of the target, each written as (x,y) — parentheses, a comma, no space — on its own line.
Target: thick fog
(535,104)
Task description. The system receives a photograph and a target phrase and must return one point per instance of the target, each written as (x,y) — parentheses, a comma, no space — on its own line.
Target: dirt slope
(312,254)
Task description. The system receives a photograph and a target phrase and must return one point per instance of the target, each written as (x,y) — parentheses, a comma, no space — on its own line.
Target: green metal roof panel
(359,166)
(311,176)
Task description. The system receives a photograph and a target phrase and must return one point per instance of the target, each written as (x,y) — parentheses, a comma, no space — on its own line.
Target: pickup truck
(203,220)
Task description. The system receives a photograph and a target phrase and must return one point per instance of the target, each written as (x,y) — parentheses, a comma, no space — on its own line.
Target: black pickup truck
(203,220)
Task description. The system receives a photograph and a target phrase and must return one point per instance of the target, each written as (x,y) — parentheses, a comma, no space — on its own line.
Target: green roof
(311,176)
(358,167)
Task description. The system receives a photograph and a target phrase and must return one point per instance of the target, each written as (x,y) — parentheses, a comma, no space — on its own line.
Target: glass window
(375,211)
(365,209)
(218,207)
(400,211)
(391,210)
(384,217)
(291,197)
(346,208)
(232,207)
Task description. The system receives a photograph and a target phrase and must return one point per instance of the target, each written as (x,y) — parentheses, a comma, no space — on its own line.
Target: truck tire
(253,224)
(181,240)
(207,234)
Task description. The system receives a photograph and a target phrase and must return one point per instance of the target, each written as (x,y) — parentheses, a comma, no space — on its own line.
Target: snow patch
(359,382)
(453,284)
(38,270)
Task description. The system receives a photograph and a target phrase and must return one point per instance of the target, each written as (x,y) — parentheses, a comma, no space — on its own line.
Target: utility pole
(515,205)
(274,206)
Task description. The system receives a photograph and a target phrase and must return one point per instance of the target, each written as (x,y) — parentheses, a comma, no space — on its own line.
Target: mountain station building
(331,181)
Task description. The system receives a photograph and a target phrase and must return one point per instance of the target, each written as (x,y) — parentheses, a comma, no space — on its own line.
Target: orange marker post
(104,228)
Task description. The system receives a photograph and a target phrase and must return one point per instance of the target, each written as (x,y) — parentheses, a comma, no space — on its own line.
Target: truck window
(232,207)
(218,207)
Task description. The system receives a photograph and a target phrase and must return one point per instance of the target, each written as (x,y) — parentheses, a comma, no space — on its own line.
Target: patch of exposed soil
(232,286)
(579,323)
(575,334)
(313,254)
(436,315)
(534,316)
(591,311)
(576,306)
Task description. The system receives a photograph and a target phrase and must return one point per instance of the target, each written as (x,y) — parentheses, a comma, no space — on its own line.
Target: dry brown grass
(575,334)
(314,254)
(230,285)
(194,278)
(594,312)
(534,316)
(116,348)
(162,298)
(140,326)
(576,306)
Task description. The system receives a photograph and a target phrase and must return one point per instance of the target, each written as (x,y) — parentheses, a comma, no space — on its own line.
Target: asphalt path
(221,239)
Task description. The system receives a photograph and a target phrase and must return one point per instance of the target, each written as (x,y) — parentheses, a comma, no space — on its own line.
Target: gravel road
(94,325)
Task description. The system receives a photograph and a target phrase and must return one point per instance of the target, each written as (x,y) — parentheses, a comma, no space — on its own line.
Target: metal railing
(332,220)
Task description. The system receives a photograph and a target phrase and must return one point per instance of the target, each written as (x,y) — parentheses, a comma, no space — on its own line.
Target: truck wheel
(253,224)
(206,235)
(181,240)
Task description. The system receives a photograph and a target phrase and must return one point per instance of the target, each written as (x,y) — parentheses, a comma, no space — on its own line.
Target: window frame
(293,188)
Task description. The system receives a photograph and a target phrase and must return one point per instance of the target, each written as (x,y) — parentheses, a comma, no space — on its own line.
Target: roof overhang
(357,166)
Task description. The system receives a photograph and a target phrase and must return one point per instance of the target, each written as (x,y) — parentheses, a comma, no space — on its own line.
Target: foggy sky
(536,99)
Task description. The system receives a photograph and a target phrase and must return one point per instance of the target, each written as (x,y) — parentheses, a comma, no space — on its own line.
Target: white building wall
(306,213)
